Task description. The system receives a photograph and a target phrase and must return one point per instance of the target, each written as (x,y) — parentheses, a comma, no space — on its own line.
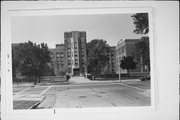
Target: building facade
(58,59)
(112,60)
(126,47)
(75,52)
(110,68)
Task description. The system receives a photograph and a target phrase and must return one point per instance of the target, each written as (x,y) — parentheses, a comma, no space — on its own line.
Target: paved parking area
(104,95)
(87,94)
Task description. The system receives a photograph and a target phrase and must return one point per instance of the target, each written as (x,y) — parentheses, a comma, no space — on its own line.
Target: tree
(97,52)
(32,59)
(128,63)
(142,53)
(15,59)
(141,23)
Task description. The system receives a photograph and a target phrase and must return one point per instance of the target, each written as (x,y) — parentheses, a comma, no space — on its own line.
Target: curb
(36,104)
(137,88)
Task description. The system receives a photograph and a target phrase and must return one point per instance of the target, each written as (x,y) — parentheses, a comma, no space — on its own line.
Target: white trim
(46,89)
(23,90)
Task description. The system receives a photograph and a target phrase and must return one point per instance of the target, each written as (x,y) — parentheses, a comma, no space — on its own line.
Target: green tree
(142,53)
(32,59)
(15,59)
(128,63)
(97,52)
(141,23)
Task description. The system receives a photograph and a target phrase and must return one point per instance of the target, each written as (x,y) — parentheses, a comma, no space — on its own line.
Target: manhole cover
(102,92)
(82,96)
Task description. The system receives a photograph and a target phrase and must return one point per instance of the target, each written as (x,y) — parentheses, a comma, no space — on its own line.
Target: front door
(76,71)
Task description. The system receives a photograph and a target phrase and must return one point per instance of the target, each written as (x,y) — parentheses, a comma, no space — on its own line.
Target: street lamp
(119,70)
(119,74)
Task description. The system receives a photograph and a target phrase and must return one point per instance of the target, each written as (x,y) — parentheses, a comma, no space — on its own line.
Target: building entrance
(76,71)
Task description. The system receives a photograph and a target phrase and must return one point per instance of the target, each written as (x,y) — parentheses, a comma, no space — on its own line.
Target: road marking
(146,83)
(139,83)
(46,89)
(132,87)
(22,91)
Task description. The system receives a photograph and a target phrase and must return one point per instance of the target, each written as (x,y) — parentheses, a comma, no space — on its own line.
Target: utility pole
(119,70)
(119,74)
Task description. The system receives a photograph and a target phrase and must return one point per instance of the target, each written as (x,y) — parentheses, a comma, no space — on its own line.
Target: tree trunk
(96,68)
(39,78)
(35,80)
(141,64)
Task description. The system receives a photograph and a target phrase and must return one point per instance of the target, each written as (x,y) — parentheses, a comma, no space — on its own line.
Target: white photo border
(7,99)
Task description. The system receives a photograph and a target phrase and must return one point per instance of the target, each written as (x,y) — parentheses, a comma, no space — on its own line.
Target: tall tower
(75,52)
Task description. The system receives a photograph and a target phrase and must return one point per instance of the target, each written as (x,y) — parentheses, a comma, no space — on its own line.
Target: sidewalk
(82,80)
(76,80)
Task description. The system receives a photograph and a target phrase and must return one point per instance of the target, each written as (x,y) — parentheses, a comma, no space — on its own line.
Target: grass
(23,104)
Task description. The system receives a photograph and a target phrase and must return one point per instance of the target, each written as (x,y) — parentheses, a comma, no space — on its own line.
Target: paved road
(90,94)
(104,95)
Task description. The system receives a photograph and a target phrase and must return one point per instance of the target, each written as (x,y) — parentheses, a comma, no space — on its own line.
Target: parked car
(146,77)
(90,76)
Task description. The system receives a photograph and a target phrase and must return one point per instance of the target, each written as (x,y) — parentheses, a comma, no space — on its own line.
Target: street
(82,93)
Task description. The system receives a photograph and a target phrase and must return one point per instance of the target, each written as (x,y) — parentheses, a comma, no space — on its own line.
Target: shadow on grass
(23,104)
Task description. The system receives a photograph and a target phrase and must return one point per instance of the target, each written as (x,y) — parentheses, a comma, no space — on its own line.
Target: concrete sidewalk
(82,80)
(77,79)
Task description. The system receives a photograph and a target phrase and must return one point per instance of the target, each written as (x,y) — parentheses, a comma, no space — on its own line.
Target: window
(69,45)
(61,54)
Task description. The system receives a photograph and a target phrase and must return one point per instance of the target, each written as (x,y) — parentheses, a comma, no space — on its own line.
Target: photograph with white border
(79,60)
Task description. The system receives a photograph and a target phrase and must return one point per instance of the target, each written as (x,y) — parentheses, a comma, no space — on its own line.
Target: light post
(119,73)
(119,70)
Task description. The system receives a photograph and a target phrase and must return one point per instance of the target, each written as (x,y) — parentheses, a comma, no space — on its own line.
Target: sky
(50,29)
